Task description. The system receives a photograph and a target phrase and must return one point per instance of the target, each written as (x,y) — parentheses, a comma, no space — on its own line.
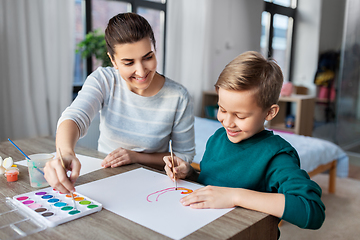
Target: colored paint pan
(22,198)
(34,206)
(40,210)
(53,200)
(27,202)
(47,214)
(40,193)
(67,208)
(74,212)
(79,199)
(60,204)
(53,208)
(47,196)
(85,202)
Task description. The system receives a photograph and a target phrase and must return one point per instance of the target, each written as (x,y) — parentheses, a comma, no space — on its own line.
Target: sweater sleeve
(303,205)
(183,135)
(89,100)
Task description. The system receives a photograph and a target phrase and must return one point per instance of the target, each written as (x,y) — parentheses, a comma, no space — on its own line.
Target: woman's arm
(54,173)
(121,156)
(67,136)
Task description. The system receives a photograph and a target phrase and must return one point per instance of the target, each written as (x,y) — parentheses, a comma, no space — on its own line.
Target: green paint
(92,206)
(74,212)
(67,208)
(85,202)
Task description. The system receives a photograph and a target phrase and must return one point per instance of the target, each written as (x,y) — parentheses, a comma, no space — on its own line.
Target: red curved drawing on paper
(186,191)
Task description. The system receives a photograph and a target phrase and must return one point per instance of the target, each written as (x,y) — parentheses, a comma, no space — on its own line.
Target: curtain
(37,45)
(188,46)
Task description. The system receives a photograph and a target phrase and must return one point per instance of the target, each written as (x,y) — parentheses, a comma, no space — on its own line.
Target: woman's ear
(112,61)
(272,112)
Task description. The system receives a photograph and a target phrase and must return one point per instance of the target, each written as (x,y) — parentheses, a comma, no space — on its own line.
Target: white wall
(236,28)
(319,27)
(204,35)
(306,45)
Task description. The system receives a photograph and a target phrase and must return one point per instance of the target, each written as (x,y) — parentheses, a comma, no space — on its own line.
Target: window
(80,63)
(95,14)
(277,32)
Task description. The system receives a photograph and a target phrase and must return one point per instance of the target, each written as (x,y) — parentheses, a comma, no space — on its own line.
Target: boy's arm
(224,197)
(270,203)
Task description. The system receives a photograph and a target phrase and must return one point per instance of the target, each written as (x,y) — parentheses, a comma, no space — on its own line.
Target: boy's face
(239,114)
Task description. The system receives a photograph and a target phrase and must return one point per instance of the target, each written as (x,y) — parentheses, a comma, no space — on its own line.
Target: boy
(246,165)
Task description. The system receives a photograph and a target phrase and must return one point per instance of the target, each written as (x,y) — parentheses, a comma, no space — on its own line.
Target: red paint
(12,176)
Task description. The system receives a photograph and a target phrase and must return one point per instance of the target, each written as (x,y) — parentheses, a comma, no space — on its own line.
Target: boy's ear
(272,112)
(112,61)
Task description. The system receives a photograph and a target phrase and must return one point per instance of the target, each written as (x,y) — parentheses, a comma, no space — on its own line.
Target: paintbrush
(26,156)
(172,162)
(62,163)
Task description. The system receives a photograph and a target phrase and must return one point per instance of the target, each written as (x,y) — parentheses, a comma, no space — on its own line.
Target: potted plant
(94,45)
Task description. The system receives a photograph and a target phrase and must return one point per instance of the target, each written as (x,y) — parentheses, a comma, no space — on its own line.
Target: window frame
(290,12)
(135,4)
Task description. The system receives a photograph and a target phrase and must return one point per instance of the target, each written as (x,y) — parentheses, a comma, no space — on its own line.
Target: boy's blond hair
(251,71)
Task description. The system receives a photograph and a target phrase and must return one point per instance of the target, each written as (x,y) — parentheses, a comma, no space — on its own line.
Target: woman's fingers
(118,157)
(55,175)
(75,171)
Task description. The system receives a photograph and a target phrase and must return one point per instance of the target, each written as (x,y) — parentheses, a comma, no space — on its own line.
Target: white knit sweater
(131,121)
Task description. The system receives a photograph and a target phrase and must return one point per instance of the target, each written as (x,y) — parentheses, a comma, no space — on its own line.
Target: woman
(140,110)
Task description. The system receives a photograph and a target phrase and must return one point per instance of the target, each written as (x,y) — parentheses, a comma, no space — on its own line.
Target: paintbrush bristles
(172,162)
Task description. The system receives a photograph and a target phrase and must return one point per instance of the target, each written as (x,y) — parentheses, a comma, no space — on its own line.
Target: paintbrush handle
(173,165)
(62,163)
(19,149)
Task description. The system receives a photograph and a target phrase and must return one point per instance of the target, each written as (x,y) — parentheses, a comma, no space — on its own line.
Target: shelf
(324,100)
(281,127)
(304,116)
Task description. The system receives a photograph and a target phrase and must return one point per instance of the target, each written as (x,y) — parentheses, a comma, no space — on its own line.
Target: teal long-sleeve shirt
(265,163)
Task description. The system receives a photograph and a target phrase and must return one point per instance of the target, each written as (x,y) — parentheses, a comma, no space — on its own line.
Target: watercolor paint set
(32,212)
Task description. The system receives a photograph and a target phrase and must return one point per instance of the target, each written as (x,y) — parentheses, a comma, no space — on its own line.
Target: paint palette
(52,208)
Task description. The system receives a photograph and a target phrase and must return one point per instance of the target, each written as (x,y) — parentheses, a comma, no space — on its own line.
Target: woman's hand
(210,197)
(181,170)
(56,176)
(119,157)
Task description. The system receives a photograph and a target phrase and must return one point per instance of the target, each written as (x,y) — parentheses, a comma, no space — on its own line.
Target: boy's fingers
(168,163)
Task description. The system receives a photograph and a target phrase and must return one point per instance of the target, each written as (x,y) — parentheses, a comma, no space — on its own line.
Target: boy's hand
(181,169)
(210,197)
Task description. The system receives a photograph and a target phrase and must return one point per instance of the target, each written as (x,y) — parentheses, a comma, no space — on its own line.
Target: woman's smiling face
(137,64)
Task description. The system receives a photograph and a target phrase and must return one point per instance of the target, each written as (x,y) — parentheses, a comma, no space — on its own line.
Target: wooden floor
(354,172)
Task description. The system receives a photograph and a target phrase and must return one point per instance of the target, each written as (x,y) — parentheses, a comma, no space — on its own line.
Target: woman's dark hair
(127,28)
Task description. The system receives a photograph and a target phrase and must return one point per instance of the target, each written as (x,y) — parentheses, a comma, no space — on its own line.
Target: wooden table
(237,224)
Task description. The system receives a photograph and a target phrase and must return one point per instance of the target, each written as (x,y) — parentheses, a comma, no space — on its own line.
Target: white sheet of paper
(148,198)
(88,164)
